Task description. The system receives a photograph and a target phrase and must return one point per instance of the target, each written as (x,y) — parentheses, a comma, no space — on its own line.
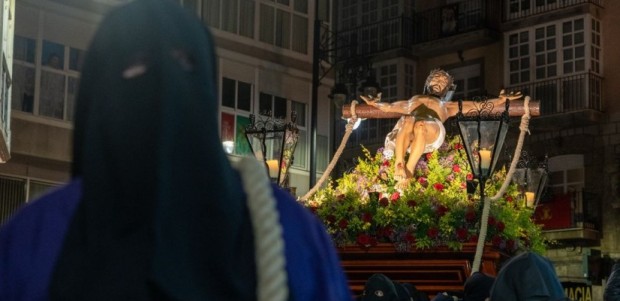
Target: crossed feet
(402,175)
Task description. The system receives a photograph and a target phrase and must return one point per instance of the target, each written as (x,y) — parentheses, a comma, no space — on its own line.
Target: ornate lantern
(531,177)
(483,133)
(273,141)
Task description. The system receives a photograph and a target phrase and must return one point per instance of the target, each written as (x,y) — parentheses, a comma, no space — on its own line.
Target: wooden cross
(366,111)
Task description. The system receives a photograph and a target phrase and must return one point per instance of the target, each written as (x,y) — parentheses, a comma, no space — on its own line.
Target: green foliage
(366,206)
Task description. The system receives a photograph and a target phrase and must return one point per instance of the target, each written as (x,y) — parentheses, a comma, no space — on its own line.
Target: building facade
(264,54)
(560,52)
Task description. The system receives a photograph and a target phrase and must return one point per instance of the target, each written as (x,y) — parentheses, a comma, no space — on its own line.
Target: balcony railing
(453,19)
(523,9)
(374,38)
(566,94)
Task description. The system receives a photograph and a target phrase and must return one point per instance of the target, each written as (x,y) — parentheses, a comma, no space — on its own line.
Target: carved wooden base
(431,271)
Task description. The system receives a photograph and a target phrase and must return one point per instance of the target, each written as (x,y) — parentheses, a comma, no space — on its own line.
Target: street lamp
(531,177)
(482,133)
(273,141)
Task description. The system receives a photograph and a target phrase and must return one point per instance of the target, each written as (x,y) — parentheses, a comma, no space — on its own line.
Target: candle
(273,168)
(485,159)
(530,198)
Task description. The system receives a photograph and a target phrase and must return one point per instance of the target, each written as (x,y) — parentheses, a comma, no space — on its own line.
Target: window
(23,74)
(468,81)
(595,56)
(14,192)
(566,174)
(567,177)
(573,46)
(518,6)
(272,106)
(59,67)
(234,16)
(285,25)
(569,46)
(236,107)
(518,57)
(545,50)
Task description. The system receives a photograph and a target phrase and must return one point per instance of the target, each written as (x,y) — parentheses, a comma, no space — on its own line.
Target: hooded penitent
(162,214)
(477,287)
(612,290)
(527,277)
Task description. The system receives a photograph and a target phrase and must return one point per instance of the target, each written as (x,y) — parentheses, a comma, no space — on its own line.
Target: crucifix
(420,126)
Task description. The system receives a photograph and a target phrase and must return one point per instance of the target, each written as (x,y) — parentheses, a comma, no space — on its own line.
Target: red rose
(366,217)
(496,241)
(386,232)
(422,180)
(395,196)
(458,146)
(473,238)
(509,199)
(429,156)
(500,226)
(456,168)
(365,240)
(386,163)
(492,221)
(470,177)
(432,233)
(343,223)
(411,203)
(461,234)
(410,237)
(438,186)
(384,202)
(441,210)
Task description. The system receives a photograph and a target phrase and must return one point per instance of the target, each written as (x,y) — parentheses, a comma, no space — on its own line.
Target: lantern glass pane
(256,144)
(273,142)
(469,135)
(499,142)
(518,177)
(537,180)
(290,142)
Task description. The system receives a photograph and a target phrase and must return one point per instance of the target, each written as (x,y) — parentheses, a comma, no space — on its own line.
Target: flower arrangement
(366,206)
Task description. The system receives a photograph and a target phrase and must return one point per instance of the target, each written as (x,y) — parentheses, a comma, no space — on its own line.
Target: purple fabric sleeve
(313,266)
(30,242)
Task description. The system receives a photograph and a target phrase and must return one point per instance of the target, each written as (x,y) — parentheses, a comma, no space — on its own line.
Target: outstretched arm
(453,106)
(400,106)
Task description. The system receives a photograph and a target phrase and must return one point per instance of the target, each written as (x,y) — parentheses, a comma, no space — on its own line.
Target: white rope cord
(272,283)
(332,164)
(484,219)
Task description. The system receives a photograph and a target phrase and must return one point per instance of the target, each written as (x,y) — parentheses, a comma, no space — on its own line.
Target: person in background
(527,277)
(155,210)
(477,287)
(612,290)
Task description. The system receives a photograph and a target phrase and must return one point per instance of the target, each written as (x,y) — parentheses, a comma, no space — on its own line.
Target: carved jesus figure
(420,130)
